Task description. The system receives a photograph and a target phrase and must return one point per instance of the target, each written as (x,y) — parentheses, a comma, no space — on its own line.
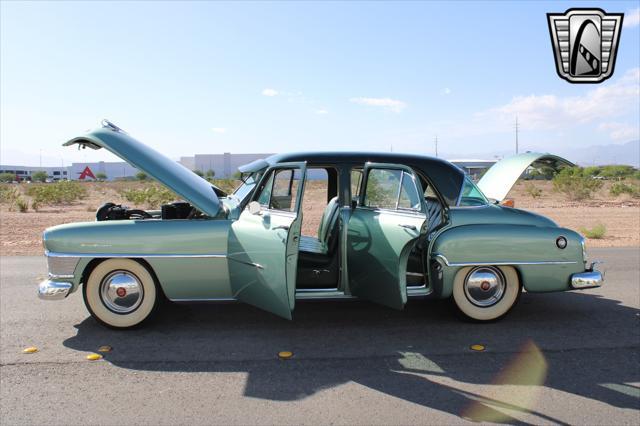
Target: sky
(258,77)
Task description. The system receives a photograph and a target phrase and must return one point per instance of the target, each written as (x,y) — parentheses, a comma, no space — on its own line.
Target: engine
(176,210)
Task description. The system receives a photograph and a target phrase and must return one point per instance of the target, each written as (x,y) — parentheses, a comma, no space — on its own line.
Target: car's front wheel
(486,293)
(120,293)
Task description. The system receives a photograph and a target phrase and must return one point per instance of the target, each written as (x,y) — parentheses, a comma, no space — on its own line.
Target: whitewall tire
(486,293)
(120,293)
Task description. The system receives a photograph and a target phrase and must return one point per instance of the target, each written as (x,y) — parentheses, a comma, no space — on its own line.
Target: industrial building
(24,173)
(223,165)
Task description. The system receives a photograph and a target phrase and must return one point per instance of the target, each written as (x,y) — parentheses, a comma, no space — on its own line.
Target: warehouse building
(24,173)
(223,165)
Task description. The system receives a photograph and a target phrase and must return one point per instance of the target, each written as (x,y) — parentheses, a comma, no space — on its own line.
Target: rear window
(471,195)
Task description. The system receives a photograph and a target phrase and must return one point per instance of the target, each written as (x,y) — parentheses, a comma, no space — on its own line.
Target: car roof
(446,177)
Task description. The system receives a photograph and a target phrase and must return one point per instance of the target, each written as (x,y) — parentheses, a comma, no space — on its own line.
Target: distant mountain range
(594,155)
(599,155)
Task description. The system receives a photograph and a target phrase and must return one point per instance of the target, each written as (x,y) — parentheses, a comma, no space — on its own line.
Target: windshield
(471,195)
(248,183)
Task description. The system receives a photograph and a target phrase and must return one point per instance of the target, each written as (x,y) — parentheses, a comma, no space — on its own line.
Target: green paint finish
(512,244)
(183,181)
(193,278)
(190,237)
(263,253)
(377,251)
(498,180)
(494,214)
(180,277)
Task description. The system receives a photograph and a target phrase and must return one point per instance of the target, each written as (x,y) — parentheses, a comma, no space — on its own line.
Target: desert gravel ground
(21,233)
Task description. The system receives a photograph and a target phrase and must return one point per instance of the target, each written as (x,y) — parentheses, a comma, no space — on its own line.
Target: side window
(285,190)
(391,189)
(281,190)
(409,198)
(265,195)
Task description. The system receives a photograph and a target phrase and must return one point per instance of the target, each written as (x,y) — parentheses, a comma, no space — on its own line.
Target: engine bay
(170,211)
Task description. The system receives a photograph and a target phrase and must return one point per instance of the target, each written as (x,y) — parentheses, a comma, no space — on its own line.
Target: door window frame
(264,181)
(408,171)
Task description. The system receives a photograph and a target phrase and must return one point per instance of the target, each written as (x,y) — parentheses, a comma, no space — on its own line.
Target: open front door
(263,243)
(382,230)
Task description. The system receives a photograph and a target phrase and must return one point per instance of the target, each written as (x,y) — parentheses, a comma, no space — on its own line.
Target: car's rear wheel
(486,293)
(120,293)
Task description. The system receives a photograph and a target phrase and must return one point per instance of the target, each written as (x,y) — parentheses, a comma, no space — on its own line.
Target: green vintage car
(394,227)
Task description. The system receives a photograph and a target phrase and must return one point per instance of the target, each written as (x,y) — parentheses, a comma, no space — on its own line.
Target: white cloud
(446,91)
(218,129)
(551,111)
(270,92)
(322,111)
(620,131)
(631,18)
(387,103)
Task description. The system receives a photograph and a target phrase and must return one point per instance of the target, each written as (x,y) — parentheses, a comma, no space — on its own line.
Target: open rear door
(263,243)
(382,230)
(500,178)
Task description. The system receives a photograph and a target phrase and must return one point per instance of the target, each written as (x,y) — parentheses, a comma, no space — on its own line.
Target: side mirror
(254,207)
(354,203)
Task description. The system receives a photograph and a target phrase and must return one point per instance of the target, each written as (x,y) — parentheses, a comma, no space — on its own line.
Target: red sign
(86,173)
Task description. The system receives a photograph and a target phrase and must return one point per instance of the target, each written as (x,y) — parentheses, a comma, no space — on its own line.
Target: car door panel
(263,253)
(379,240)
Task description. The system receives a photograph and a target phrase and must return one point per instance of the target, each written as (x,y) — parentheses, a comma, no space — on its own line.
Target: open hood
(175,176)
(500,178)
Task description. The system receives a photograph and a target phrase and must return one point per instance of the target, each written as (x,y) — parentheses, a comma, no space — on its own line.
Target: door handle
(412,227)
(284,227)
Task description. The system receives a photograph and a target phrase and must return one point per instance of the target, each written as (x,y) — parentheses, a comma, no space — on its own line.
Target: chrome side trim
(53,290)
(315,290)
(546,262)
(257,265)
(135,255)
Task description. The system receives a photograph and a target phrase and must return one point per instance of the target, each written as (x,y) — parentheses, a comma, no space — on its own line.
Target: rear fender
(532,250)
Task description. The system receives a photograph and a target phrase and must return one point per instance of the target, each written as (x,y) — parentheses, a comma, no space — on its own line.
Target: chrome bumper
(588,279)
(53,290)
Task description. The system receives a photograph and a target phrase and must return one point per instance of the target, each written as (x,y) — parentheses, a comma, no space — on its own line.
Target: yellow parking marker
(285,354)
(478,348)
(30,350)
(105,348)
(94,357)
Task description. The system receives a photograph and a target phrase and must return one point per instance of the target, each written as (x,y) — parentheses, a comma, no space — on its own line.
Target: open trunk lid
(500,178)
(175,176)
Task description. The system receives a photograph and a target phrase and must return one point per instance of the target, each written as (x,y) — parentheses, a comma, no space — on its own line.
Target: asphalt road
(557,358)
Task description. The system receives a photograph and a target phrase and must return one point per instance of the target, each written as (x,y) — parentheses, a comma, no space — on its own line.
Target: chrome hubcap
(121,292)
(484,286)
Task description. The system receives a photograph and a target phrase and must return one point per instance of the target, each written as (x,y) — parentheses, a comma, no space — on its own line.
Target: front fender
(189,257)
(532,250)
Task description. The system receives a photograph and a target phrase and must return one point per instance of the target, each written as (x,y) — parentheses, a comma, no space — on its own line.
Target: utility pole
(517,128)
(40,158)
(436,146)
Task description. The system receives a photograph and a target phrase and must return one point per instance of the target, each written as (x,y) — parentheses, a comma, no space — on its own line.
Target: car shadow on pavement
(420,355)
